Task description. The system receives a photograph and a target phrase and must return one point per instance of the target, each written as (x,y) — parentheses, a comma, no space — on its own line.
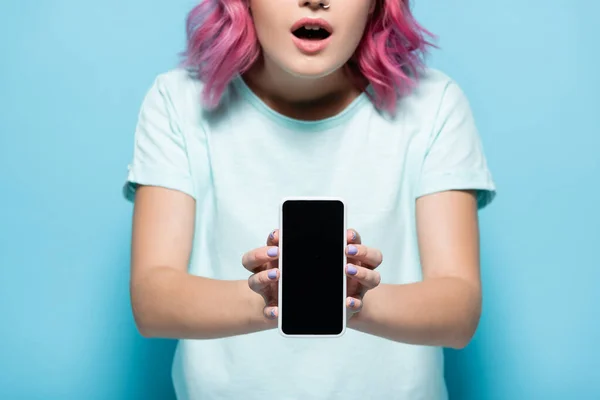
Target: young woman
(306,98)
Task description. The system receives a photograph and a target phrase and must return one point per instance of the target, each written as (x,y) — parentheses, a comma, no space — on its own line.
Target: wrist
(360,320)
(256,317)
(357,321)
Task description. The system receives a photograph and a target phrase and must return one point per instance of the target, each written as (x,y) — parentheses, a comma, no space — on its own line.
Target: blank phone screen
(313,279)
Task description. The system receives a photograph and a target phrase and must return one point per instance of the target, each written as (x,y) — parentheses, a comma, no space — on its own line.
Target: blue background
(72,77)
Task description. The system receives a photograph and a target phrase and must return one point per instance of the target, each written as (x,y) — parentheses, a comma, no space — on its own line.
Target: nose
(314,4)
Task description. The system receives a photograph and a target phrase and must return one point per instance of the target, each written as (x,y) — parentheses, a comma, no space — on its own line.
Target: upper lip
(320,22)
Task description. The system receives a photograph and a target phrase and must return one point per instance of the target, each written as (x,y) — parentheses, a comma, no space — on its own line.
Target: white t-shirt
(239,161)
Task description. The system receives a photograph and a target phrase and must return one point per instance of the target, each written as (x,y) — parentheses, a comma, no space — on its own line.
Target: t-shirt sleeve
(159,155)
(454,159)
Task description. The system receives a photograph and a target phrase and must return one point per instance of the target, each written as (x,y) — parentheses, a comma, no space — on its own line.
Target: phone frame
(281,269)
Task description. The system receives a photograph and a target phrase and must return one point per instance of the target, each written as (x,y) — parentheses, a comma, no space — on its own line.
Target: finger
(353,236)
(365,255)
(259,281)
(257,257)
(273,239)
(353,304)
(271,312)
(365,276)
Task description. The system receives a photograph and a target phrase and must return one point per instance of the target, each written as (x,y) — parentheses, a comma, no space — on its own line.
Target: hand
(263,263)
(360,270)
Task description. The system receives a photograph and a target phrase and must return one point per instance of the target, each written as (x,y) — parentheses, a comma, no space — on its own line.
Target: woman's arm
(443,309)
(167,301)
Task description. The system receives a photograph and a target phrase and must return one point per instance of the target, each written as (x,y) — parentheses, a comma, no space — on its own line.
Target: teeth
(312,27)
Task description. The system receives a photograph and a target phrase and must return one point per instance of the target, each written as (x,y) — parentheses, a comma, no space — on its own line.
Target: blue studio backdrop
(72,78)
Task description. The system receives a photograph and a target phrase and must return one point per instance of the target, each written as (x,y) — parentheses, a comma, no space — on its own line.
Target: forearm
(172,304)
(436,312)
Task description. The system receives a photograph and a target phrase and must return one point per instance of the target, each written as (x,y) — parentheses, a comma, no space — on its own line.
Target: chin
(310,73)
(312,68)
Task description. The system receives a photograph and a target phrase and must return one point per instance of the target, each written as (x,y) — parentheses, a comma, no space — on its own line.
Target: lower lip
(311,46)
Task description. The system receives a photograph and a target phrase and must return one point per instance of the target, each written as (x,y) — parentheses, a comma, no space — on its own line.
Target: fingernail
(352,269)
(273,313)
(353,235)
(272,274)
(272,235)
(352,250)
(351,302)
(272,252)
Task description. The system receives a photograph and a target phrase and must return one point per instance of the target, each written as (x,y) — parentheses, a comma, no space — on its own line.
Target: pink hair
(222,42)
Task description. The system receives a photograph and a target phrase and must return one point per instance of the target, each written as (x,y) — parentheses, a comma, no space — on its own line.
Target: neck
(307,99)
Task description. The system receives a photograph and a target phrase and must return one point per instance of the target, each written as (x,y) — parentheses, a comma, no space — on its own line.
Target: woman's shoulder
(431,88)
(178,81)
(180,90)
(431,84)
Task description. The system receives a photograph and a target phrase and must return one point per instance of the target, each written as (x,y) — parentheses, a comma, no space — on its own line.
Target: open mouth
(312,29)
(311,32)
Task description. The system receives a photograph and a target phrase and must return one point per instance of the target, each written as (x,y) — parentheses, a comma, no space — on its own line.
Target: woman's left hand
(360,270)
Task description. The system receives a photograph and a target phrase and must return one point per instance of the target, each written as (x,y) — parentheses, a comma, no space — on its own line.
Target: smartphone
(312,260)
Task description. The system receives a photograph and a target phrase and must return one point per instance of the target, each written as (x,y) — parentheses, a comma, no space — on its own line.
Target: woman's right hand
(263,262)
